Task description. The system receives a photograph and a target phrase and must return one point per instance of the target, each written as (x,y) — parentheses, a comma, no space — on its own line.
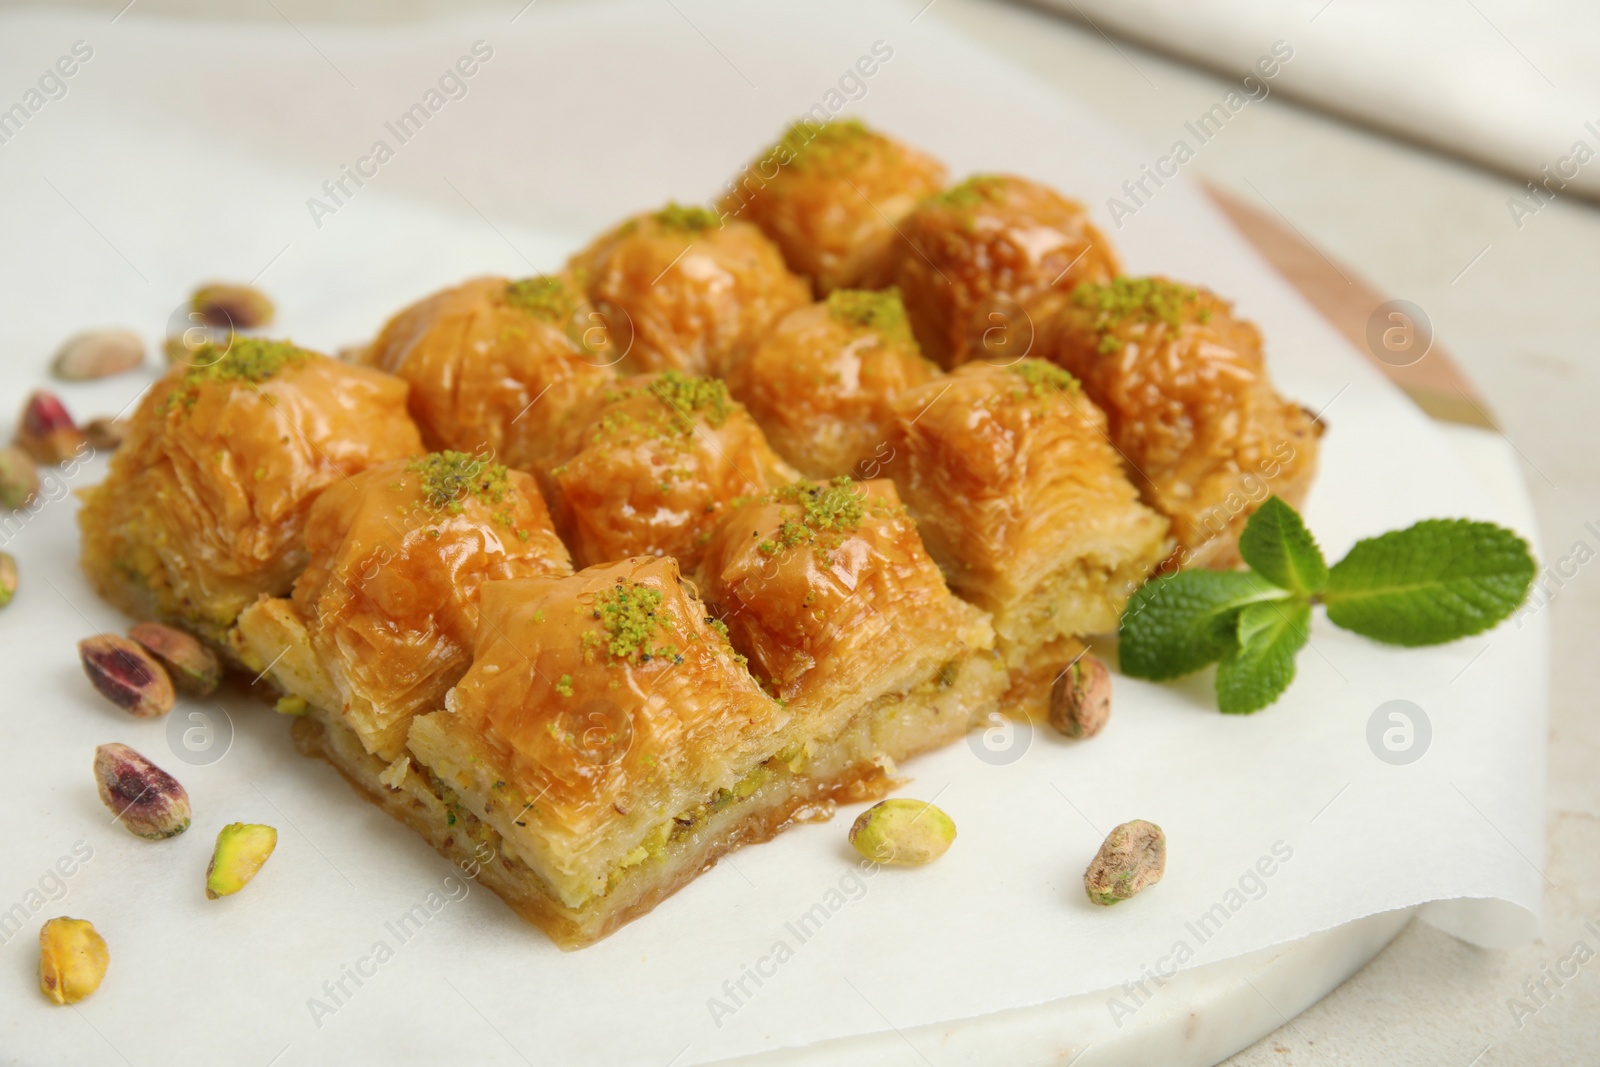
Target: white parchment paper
(181,152)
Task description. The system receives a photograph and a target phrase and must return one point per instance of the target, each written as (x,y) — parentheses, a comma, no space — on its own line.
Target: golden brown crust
(490,373)
(822,386)
(985,263)
(830,196)
(652,467)
(205,504)
(1190,407)
(827,588)
(1022,500)
(692,292)
(389,602)
(414,797)
(596,707)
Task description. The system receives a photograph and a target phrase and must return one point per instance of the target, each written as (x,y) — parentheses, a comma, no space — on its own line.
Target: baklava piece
(495,366)
(827,588)
(986,263)
(205,504)
(608,745)
(382,621)
(830,195)
(691,291)
(652,468)
(1185,389)
(1022,501)
(823,383)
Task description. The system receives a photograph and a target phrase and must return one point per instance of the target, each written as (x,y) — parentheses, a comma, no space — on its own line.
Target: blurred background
(1442,153)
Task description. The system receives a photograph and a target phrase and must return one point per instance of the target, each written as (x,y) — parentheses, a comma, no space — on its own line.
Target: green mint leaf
(1178,624)
(1430,583)
(1277,545)
(1260,667)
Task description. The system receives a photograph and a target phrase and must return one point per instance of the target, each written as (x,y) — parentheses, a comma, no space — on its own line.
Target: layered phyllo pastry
(827,589)
(1190,407)
(608,744)
(653,466)
(985,263)
(205,505)
(495,365)
(830,195)
(382,620)
(1021,499)
(822,384)
(691,290)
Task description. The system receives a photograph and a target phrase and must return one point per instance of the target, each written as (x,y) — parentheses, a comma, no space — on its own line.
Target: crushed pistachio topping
(976,190)
(1136,300)
(687,396)
(828,511)
(692,217)
(830,145)
(564,685)
(882,312)
(630,617)
(447,477)
(1044,378)
(248,359)
(543,297)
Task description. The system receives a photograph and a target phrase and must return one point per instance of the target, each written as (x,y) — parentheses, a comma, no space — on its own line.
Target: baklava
(827,588)
(1191,409)
(823,382)
(1022,501)
(653,466)
(691,290)
(985,264)
(830,195)
(496,365)
(382,621)
(608,744)
(205,504)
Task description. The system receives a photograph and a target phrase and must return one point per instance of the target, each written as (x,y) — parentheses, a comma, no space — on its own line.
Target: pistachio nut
(193,667)
(241,850)
(902,832)
(225,306)
(1132,857)
(149,801)
(1080,699)
(127,675)
(46,431)
(72,959)
(98,354)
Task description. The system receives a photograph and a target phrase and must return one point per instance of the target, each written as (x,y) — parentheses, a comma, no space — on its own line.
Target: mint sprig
(1430,583)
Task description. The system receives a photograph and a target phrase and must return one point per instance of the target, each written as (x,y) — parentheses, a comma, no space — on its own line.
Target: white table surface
(1523,320)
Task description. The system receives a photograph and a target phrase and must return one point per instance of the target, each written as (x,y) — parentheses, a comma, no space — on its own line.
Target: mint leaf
(1277,545)
(1260,667)
(1178,624)
(1430,583)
